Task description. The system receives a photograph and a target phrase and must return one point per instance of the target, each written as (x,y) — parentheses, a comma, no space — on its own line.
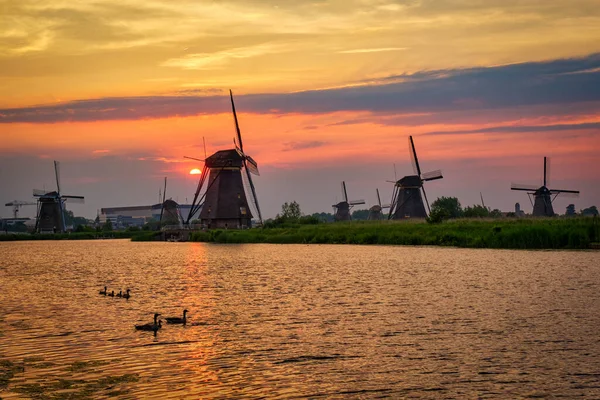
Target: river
(297,321)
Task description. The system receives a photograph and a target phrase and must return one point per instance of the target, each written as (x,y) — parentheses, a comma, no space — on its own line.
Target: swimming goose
(153,327)
(112,294)
(120,294)
(177,320)
(126,295)
(103,291)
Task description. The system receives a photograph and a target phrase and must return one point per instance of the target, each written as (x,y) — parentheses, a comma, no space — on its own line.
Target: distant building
(518,211)
(124,217)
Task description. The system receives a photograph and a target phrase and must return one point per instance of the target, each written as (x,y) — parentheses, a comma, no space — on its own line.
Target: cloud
(523,129)
(290,146)
(372,50)
(486,88)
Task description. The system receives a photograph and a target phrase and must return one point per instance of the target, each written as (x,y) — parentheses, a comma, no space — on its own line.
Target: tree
(476,211)
(360,215)
(291,211)
(448,207)
(107,227)
(590,211)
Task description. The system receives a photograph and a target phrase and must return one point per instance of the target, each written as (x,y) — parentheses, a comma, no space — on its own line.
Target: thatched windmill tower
(407,201)
(342,209)
(542,207)
(224,204)
(376,212)
(51,207)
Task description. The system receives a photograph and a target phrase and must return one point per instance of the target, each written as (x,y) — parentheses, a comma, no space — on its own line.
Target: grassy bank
(134,236)
(551,233)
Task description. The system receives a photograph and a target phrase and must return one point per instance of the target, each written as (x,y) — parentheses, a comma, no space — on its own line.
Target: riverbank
(538,233)
(134,236)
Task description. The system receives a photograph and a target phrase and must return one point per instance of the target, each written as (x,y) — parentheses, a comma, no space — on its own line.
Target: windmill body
(409,193)
(409,202)
(224,203)
(342,209)
(376,211)
(51,207)
(543,196)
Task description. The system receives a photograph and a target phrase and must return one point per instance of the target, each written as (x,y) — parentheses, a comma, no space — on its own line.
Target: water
(297,321)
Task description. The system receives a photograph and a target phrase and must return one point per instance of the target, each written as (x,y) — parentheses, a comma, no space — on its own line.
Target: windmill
(542,207)
(17,204)
(406,199)
(169,210)
(224,203)
(342,209)
(375,212)
(51,207)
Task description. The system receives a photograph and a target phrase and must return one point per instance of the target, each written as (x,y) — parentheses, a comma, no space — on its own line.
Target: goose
(177,320)
(103,291)
(112,294)
(153,327)
(120,294)
(126,295)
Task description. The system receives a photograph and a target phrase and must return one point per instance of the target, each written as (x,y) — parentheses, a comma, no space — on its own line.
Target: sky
(326,91)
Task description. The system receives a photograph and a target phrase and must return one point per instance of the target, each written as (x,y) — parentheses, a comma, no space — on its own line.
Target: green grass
(526,233)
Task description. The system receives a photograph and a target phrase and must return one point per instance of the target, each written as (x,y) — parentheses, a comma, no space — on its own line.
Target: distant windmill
(542,207)
(17,204)
(342,209)
(51,207)
(224,204)
(375,212)
(406,199)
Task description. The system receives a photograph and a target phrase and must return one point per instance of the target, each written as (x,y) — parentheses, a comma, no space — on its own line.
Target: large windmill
(407,201)
(51,207)
(542,207)
(342,209)
(224,203)
(375,212)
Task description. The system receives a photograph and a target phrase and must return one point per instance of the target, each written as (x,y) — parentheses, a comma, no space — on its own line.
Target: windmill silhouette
(51,207)
(342,209)
(376,212)
(224,204)
(407,201)
(542,207)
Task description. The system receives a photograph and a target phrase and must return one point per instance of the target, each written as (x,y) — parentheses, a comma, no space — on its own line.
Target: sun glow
(195,171)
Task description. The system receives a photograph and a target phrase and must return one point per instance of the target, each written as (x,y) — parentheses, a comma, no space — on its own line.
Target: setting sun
(195,171)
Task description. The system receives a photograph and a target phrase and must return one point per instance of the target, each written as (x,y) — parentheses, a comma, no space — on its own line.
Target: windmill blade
(386,206)
(378,198)
(520,186)
(356,202)
(237,125)
(57,173)
(344,192)
(433,175)
(252,165)
(195,159)
(392,181)
(565,193)
(426,201)
(482,203)
(545,172)
(74,199)
(253,190)
(162,205)
(414,158)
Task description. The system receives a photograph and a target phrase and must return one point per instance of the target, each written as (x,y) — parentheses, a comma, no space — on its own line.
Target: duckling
(103,291)
(126,295)
(120,294)
(152,327)
(177,320)
(112,294)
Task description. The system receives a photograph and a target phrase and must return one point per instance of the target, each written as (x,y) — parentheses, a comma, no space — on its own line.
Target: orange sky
(55,53)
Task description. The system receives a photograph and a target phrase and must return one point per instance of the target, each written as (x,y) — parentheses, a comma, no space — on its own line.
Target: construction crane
(16,204)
